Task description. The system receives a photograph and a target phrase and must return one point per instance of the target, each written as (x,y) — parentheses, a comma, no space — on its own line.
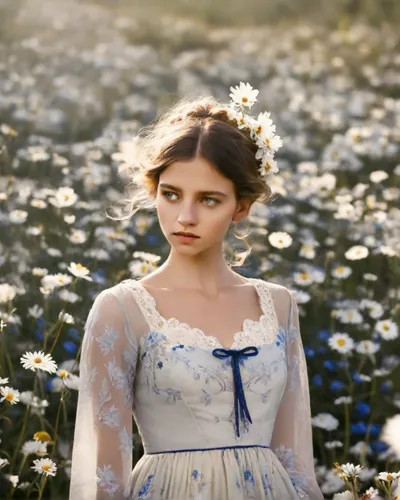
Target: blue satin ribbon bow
(240,400)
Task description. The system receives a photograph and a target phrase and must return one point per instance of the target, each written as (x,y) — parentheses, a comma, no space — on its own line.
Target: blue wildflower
(317,379)
(336,385)
(363,408)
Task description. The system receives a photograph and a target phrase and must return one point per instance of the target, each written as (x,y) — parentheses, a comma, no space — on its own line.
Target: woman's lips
(186,238)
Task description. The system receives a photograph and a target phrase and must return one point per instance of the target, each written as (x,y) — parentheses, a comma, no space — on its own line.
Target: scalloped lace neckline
(248,333)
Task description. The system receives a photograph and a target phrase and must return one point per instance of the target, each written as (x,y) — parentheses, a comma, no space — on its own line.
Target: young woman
(210,364)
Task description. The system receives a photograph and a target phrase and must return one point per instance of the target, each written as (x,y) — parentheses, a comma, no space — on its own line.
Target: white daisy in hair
(244,95)
(268,164)
(261,129)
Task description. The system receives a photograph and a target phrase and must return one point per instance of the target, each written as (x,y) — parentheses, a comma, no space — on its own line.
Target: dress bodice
(187,393)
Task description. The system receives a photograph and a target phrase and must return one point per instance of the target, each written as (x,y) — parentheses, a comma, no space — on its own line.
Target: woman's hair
(191,128)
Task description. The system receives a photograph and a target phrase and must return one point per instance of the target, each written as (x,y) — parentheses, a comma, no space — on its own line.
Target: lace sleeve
(292,434)
(102,447)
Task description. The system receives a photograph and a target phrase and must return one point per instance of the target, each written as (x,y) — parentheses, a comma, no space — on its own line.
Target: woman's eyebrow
(175,188)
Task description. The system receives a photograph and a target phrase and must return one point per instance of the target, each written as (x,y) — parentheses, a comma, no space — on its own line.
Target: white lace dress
(215,423)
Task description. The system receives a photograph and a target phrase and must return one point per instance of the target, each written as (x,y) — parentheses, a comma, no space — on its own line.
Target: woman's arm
(292,434)
(102,448)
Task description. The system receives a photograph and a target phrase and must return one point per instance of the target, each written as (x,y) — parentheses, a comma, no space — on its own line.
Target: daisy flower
(38,361)
(387,329)
(280,239)
(367,347)
(341,342)
(244,95)
(148,257)
(141,268)
(341,272)
(351,470)
(325,421)
(357,252)
(378,176)
(9,394)
(268,164)
(346,471)
(270,140)
(303,278)
(388,476)
(79,271)
(373,308)
(7,293)
(45,466)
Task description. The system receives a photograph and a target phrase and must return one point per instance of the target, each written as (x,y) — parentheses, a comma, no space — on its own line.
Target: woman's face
(193,197)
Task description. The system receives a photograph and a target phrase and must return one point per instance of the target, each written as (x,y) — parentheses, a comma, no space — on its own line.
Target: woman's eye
(167,194)
(215,202)
(209,201)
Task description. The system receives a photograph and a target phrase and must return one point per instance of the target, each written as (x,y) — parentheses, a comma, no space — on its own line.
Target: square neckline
(175,322)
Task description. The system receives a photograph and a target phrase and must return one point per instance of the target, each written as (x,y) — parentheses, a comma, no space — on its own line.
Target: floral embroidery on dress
(145,491)
(291,463)
(106,479)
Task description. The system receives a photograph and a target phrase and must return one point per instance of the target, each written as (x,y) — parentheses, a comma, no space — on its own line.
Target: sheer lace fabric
(135,363)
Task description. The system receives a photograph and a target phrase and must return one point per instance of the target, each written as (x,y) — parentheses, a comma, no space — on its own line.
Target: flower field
(76,83)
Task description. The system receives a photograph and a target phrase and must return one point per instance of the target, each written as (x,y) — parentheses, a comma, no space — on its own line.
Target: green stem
(23,429)
(56,424)
(42,487)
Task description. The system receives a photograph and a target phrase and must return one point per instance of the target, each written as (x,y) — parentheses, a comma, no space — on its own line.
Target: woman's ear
(242,210)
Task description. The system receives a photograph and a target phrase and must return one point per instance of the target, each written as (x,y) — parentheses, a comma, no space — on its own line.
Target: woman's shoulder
(274,287)
(118,292)
(124,299)
(281,295)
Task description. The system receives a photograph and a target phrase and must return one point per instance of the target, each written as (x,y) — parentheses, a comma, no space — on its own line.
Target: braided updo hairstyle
(192,127)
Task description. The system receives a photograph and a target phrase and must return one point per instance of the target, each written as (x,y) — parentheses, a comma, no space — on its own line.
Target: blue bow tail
(240,404)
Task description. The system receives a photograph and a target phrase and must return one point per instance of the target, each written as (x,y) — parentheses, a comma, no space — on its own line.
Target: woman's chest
(221,318)
(185,369)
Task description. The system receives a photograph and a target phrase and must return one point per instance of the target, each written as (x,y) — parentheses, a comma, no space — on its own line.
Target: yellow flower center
(37,360)
(42,436)
(341,342)
(244,99)
(9,397)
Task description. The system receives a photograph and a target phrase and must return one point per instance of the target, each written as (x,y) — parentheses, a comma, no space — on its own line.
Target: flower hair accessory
(262,129)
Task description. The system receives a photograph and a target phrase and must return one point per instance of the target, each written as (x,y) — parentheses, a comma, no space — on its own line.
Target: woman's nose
(187,215)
